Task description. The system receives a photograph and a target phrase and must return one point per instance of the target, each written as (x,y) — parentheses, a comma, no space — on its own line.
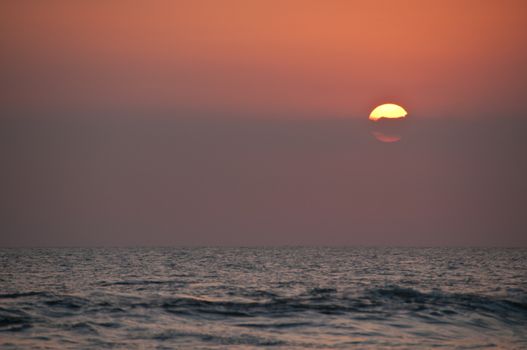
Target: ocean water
(229,298)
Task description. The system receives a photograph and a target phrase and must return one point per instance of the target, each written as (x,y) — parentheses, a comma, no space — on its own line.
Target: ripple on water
(245,297)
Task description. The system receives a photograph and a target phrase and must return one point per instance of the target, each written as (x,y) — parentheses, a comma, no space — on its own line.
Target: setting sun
(388,110)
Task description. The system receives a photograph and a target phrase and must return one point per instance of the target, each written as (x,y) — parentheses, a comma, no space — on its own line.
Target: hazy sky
(245,122)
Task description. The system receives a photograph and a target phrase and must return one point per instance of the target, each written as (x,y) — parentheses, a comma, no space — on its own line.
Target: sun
(388,122)
(387,110)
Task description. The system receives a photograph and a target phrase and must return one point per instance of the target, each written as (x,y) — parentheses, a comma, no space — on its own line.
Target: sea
(263,297)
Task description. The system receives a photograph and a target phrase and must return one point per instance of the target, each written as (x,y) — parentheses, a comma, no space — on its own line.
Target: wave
(241,339)
(137,282)
(455,301)
(24,294)
(14,320)
(371,304)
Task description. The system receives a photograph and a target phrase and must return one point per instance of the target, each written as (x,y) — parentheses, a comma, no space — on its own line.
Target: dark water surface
(164,298)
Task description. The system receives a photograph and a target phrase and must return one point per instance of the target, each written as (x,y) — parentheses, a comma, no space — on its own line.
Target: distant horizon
(265,247)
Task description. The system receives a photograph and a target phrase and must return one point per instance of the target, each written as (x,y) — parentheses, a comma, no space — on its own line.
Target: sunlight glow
(388,110)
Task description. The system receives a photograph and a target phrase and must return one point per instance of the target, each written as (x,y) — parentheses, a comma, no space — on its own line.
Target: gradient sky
(245,122)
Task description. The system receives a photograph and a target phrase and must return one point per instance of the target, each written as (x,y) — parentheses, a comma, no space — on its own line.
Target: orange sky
(267,58)
(239,122)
